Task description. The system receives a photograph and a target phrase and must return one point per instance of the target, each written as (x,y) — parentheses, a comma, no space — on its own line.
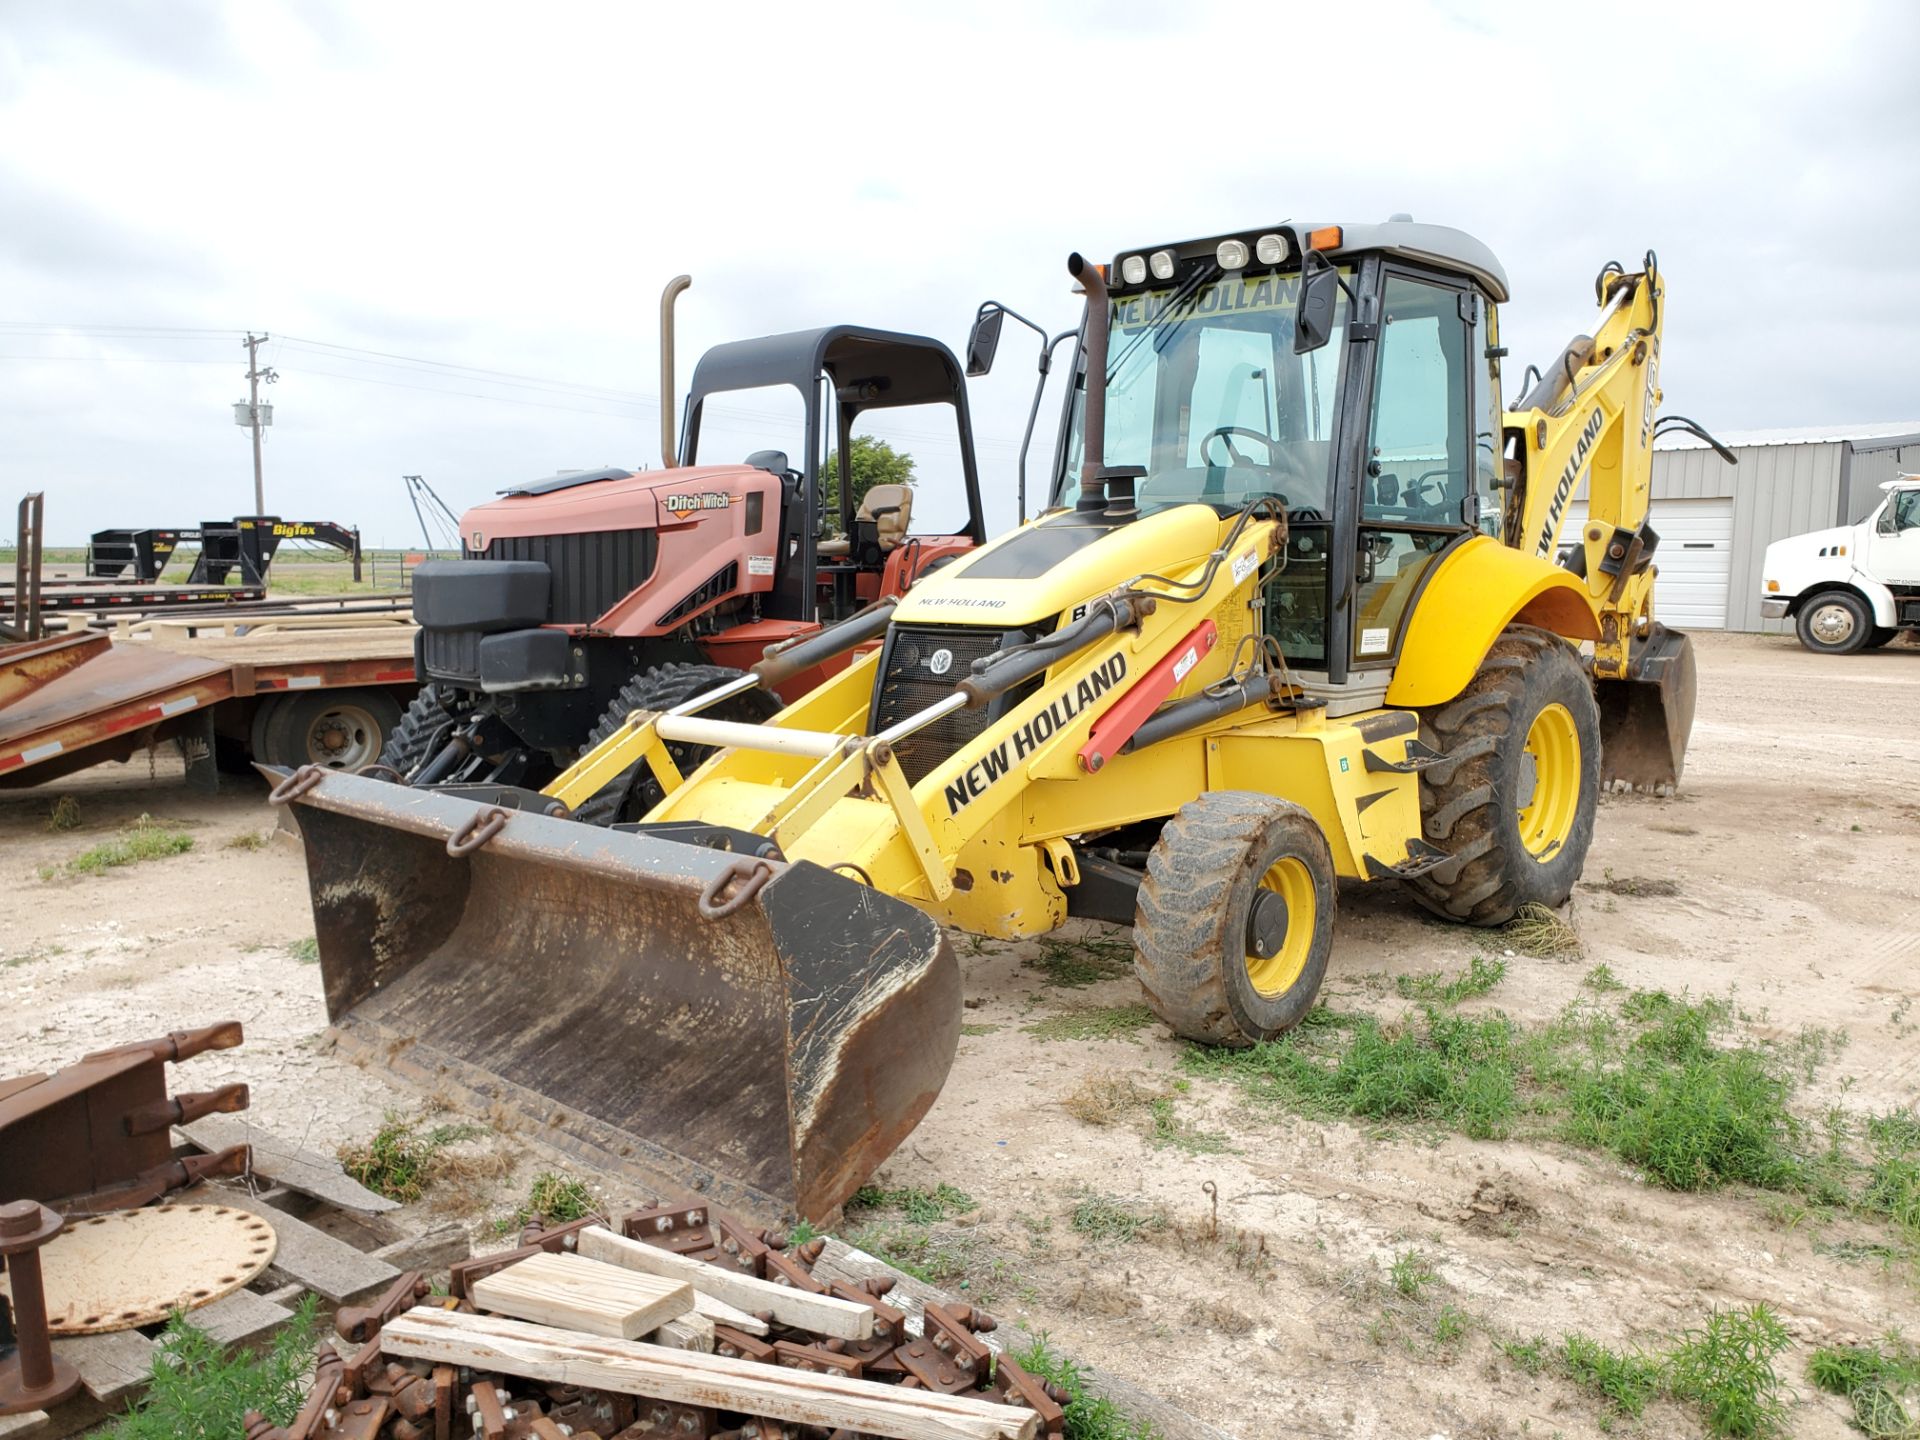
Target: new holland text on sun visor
(1237,296)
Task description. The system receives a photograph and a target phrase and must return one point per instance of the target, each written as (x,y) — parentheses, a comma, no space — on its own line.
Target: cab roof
(1437,245)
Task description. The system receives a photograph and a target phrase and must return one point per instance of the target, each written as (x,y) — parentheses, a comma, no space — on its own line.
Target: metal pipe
(1093,449)
(691,730)
(733,687)
(668,455)
(939,710)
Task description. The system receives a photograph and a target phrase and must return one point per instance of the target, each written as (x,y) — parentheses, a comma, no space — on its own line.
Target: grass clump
(1481,976)
(1076,963)
(1625,1381)
(1538,930)
(1088,1416)
(1411,1273)
(401,1160)
(1893,1173)
(252,840)
(1725,1369)
(1602,981)
(920,1206)
(1531,1355)
(307,951)
(1106,1220)
(63,813)
(1107,1097)
(1876,1381)
(145,839)
(1112,1022)
(202,1391)
(1459,1070)
(551,1200)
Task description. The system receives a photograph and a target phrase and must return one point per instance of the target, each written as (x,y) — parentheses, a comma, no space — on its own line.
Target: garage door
(1695,559)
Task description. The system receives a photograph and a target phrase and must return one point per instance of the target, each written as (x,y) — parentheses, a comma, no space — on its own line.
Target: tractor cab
(1345,374)
(842,373)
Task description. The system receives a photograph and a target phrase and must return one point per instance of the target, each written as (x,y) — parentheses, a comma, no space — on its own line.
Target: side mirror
(984,340)
(1313,313)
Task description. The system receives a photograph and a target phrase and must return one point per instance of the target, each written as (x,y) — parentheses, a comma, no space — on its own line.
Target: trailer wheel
(1835,623)
(337,729)
(1234,921)
(661,687)
(1513,802)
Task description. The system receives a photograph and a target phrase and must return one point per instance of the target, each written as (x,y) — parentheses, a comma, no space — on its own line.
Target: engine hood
(642,501)
(1811,543)
(1056,562)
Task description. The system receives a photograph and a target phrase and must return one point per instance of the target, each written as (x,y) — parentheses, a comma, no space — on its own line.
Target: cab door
(1893,551)
(1420,484)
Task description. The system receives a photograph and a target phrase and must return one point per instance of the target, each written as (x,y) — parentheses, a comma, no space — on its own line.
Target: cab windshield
(1204,392)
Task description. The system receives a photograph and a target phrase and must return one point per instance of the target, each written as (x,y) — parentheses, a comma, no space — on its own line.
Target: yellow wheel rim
(1275,974)
(1546,819)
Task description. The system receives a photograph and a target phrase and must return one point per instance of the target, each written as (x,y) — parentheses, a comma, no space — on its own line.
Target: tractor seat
(879,525)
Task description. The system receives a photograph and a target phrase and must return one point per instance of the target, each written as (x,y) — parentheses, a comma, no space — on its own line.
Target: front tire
(1836,622)
(662,687)
(1234,921)
(1513,802)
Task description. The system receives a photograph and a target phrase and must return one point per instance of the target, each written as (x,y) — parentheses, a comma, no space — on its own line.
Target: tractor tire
(1835,622)
(420,733)
(661,687)
(1513,801)
(1234,922)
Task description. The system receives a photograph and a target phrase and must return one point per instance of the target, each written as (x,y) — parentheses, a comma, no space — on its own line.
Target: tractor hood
(608,500)
(1061,560)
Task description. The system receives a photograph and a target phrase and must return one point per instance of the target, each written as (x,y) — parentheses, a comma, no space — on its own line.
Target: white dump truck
(1853,587)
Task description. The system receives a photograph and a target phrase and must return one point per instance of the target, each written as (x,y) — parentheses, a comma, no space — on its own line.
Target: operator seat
(879,525)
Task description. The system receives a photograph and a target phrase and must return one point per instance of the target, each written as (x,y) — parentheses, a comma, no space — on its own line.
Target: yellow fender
(1477,591)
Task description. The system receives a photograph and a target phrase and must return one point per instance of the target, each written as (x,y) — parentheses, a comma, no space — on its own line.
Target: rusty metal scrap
(95,1136)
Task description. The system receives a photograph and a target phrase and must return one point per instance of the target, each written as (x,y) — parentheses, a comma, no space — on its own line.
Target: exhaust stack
(669,457)
(1093,465)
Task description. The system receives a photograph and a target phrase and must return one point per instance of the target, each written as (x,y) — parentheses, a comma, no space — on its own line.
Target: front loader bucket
(1645,719)
(768,1058)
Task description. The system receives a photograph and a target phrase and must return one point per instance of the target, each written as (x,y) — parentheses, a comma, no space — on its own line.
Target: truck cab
(1852,587)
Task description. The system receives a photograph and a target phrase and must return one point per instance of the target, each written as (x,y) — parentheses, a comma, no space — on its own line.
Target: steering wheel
(1225,433)
(1282,461)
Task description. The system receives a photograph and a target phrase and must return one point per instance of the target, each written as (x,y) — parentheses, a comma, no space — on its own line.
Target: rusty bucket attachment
(763,1034)
(1646,717)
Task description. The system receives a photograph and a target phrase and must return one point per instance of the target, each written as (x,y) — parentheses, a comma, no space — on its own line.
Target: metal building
(1716,520)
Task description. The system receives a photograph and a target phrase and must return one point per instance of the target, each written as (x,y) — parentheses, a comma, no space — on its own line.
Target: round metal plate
(135,1267)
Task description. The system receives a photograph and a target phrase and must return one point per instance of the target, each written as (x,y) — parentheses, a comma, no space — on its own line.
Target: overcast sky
(506,188)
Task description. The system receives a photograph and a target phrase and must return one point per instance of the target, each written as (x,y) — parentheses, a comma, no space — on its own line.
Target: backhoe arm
(1591,419)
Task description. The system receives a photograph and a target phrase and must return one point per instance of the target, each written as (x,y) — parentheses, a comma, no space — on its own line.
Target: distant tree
(871,462)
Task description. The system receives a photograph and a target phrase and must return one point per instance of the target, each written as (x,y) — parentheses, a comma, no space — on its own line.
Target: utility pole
(254,418)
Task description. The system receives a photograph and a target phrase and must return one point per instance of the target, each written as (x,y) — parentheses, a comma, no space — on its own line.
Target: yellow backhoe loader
(1293,615)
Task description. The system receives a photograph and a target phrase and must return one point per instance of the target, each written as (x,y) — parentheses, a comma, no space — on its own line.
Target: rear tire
(662,687)
(421,731)
(1213,968)
(1835,622)
(335,729)
(1513,802)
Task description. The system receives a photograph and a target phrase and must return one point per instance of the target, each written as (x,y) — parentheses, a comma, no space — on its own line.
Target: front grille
(592,571)
(451,654)
(909,685)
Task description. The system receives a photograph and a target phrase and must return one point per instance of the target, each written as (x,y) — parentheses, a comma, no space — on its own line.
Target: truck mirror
(1313,312)
(984,340)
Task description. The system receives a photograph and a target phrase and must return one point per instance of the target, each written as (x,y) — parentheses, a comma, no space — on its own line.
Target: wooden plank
(242,1318)
(692,1331)
(286,1164)
(445,1244)
(630,1367)
(841,1261)
(824,1314)
(721,1313)
(18,1427)
(111,1366)
(585,1295)
(330,1268)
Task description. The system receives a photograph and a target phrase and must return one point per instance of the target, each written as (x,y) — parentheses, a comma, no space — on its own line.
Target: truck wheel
(1234,921)
(1834,623)
(1513,802)
(421,731)
(662,687)
(338,729)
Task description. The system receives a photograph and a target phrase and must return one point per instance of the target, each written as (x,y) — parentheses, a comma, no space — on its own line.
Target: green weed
(1411,1273)
(202,1391)
(1893,1176)
(145,839)
(920,1206)
(1074,964)
(1450,1324)
(63,813)
(1625,1382)
(1113,1022)
(1875,1380)
(975,1030)
(1601,980)
(1088,1416)
(1725,1369)
(1531,1355)
(1108,1221)
(551,1200)
(1481,976)
(400,1160)
(1166,1129)
(252,840)
(306,951)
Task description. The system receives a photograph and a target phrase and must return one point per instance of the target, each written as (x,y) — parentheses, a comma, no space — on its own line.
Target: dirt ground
(1792,847)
